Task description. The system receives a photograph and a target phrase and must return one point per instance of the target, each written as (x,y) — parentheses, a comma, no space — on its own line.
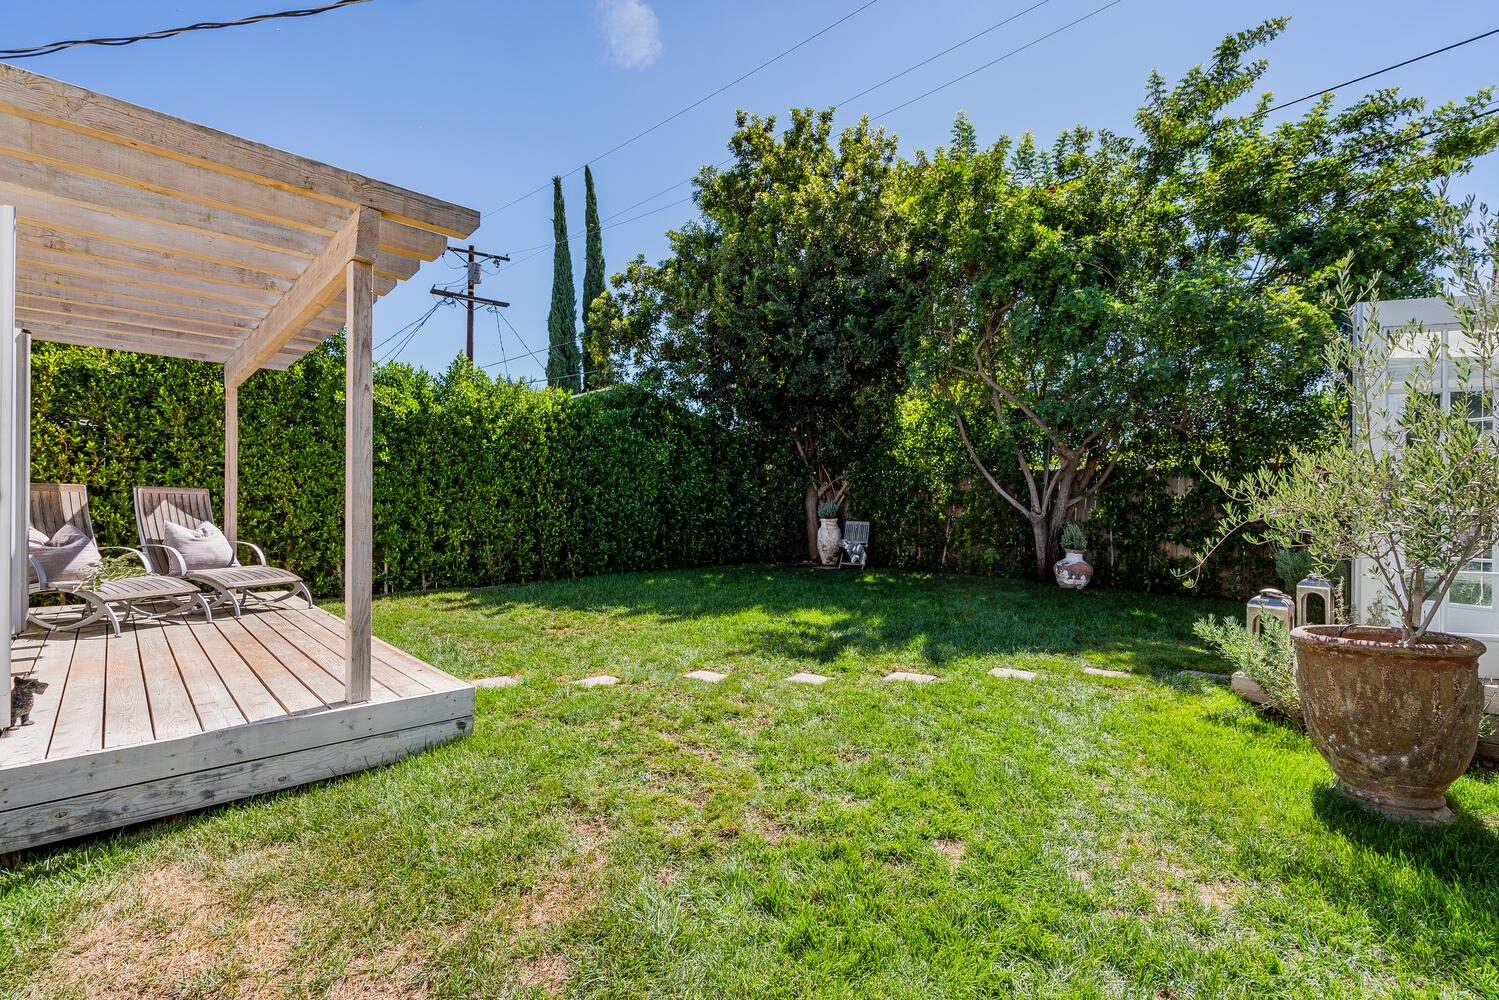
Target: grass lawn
(1072,836)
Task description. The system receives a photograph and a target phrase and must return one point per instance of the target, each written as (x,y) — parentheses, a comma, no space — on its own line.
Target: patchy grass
(1070,836)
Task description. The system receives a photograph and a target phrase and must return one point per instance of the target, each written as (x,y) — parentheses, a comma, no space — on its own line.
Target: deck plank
(172,712)
(47,659)
(423,673)
(254,700)
(127,709)
(329,652)
(80,714)
(211,698)
(293,695)
(385,684)
(307,670)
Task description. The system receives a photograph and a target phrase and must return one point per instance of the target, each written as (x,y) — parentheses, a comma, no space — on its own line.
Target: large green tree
(776,308)
(563,360)
(1113,295)
(597,351)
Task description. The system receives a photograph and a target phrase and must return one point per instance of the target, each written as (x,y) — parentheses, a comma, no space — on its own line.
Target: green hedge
(477,481)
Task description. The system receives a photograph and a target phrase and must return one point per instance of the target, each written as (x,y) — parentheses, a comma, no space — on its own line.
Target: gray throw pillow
(69,556)
(203,547)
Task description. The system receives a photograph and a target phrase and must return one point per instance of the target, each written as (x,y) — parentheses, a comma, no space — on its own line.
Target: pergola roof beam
(40,99)
(319,287)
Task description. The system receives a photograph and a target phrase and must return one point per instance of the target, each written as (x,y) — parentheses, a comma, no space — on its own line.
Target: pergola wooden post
(345,269)
(231,460)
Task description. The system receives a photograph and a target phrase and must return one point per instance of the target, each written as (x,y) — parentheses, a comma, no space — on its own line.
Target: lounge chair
(854,548)
(66,559)
(181,538)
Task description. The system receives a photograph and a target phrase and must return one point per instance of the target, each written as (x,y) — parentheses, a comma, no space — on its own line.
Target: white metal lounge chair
(854,548)
(235,585)
(59,506)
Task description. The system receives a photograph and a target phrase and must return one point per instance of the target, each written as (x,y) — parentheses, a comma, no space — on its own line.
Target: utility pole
(473,279)
(474,276)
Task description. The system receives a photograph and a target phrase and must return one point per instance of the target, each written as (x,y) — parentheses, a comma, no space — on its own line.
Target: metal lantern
(1269,603)
(1314,586)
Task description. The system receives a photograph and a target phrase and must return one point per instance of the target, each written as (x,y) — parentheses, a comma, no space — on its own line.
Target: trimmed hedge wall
(477,481)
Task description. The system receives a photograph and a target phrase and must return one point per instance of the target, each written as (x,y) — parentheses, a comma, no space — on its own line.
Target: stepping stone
(496,682)
(914,678)
(1100,672)
(1204,675)
(1024,675)
(806,678)
(597,680)
(707,676)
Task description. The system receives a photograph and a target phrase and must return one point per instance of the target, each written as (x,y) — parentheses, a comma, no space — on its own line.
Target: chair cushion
(68,556)
(203,547)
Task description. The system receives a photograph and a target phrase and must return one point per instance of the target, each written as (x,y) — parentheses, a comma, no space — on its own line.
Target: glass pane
(1472,405)
(1473,592)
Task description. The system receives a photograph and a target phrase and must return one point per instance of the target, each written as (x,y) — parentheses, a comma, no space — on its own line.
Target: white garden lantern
(1269,603)
(1314,586)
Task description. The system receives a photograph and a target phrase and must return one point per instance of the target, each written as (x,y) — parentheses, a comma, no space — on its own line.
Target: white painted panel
(12,564)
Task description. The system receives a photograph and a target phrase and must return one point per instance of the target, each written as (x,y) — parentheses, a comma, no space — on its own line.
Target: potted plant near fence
(829,534)
(1073,570)
(1412,490)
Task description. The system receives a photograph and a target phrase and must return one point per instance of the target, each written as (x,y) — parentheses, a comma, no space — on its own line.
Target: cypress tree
(596,362)
(563,360)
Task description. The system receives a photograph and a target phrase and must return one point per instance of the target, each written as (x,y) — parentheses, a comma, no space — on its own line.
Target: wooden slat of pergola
(124,210)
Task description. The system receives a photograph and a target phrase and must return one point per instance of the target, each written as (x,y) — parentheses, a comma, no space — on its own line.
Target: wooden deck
(172,717)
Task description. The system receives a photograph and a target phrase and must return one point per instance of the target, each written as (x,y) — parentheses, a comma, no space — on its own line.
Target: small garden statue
(1074,571)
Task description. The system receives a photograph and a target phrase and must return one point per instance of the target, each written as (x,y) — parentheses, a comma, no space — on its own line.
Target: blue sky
(480,101)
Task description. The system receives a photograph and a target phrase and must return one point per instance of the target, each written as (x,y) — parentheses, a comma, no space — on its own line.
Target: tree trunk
(811,503)
(1041,532)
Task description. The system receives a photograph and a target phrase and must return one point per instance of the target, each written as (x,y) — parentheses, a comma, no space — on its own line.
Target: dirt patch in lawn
(168,928)
(550,971)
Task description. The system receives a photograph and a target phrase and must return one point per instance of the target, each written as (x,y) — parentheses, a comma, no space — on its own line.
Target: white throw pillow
(203,547)
(67,557)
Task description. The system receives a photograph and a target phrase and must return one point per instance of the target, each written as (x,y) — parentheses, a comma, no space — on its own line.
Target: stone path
(805,677)
(597,680)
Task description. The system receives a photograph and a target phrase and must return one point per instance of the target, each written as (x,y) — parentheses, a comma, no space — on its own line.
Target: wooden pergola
(125,228)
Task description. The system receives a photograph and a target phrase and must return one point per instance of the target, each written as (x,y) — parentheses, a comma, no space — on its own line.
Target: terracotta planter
(828,537)
(1398,724)
(1073,571)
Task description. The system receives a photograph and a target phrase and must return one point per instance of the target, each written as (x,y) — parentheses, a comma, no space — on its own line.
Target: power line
(951,48)
(889,79)
(1378,72)
(415,327)
(978,69)
(53,47)
(697,103)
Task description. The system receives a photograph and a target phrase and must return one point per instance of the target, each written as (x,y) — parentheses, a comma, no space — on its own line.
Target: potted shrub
(829,534)
(1073,570)
(1411,488)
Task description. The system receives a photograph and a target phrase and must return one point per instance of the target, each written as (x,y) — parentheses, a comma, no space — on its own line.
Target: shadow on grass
(1464,852)
(818,616)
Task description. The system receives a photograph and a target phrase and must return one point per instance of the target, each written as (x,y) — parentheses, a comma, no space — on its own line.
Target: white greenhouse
(1471,609)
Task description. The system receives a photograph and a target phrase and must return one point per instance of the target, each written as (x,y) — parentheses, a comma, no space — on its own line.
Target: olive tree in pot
(1413,490)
